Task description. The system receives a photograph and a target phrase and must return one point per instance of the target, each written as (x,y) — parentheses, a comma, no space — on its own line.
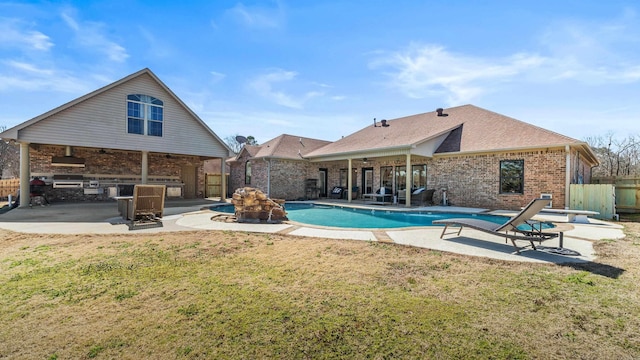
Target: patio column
(25,175)
(349,180)
(567,185)
(407,179)
(145,167)
(223,180)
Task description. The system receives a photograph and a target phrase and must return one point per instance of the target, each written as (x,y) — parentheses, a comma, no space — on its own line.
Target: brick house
(277,167)
(133,131)
(480,158)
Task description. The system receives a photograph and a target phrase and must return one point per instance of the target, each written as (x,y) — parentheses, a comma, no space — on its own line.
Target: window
(512,177)
(401,177)
(247,172)
(418,176)
(343,178)
(144,115)
(386,177)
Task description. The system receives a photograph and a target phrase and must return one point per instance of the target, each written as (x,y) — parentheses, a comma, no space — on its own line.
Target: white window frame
(147,104)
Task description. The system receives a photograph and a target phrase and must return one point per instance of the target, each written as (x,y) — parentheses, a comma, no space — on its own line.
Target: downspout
(567,180)
(268,161)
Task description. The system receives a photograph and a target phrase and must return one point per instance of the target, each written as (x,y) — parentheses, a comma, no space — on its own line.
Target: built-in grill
(68,181)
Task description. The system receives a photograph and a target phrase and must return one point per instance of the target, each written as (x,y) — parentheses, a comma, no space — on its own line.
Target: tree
(235,145)
(617,157)
(9,158)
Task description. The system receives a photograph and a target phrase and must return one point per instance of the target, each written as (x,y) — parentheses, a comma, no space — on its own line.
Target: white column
(349,180)
(407,188)
(223,180)
(25,175)
(145,167)
(567,185)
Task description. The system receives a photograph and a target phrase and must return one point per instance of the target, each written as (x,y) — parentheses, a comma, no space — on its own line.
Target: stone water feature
(253,206)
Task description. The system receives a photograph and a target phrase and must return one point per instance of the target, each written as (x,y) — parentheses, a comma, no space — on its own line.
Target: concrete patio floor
(189,215)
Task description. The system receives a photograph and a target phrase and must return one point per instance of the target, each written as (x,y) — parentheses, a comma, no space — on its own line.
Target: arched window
(144,115)
(247,172)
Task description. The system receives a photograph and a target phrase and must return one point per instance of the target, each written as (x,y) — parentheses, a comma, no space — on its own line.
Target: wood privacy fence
(9,186)
(213,185)
(594,197)
(627,192)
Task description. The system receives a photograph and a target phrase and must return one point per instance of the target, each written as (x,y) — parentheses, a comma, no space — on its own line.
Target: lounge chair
(531,231)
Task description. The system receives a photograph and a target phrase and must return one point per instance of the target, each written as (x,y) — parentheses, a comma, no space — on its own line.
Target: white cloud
(430,70)
(588,53)
(30,77)
(594,52)
(265,84)
(15,33)
(216,76)
(90,35)
(258,17)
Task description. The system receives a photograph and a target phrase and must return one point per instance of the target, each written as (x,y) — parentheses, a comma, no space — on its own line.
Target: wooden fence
(9,186)
(627,192)
(213,185)
(594,197)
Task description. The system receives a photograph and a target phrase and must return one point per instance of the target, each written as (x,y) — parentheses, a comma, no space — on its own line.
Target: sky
(325,69)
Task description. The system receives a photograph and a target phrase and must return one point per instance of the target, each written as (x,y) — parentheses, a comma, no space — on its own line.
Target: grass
(238,295)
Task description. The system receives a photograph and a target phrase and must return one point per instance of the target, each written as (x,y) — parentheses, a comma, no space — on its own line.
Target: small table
(378,198)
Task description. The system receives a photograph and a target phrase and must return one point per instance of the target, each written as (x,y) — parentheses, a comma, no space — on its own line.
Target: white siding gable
(100,121)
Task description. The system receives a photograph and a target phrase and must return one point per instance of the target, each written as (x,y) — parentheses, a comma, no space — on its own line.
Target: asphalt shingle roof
(286,147)
(470,129)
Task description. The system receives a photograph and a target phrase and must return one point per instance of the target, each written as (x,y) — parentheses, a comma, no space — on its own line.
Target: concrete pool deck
(189,215)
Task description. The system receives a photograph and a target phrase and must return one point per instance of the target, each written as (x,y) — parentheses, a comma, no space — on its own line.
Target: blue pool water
(347,217)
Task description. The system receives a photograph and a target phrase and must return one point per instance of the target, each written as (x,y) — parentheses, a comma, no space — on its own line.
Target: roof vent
(383,123)
(440,112)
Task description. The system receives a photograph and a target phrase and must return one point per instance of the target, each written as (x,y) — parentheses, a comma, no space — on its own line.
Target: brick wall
(470,180)
(287,176)
(474,180)
(113,162)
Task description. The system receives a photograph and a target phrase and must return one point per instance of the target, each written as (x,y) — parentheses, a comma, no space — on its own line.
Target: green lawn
(237,295)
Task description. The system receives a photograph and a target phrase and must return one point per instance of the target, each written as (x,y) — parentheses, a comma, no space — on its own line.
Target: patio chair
(422,197)
(519,227)
(147,204)
(336,192)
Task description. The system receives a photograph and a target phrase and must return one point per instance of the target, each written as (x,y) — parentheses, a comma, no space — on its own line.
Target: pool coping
(102,219)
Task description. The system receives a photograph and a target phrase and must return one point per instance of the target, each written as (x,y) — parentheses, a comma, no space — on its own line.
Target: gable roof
(285,147)
(465,129)
(29,127)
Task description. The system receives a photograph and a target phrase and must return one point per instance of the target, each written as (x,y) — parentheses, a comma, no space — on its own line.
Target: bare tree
(617,157)
(9,158)
(236,145)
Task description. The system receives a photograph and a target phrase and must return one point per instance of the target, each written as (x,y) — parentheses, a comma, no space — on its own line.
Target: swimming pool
(348,217)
